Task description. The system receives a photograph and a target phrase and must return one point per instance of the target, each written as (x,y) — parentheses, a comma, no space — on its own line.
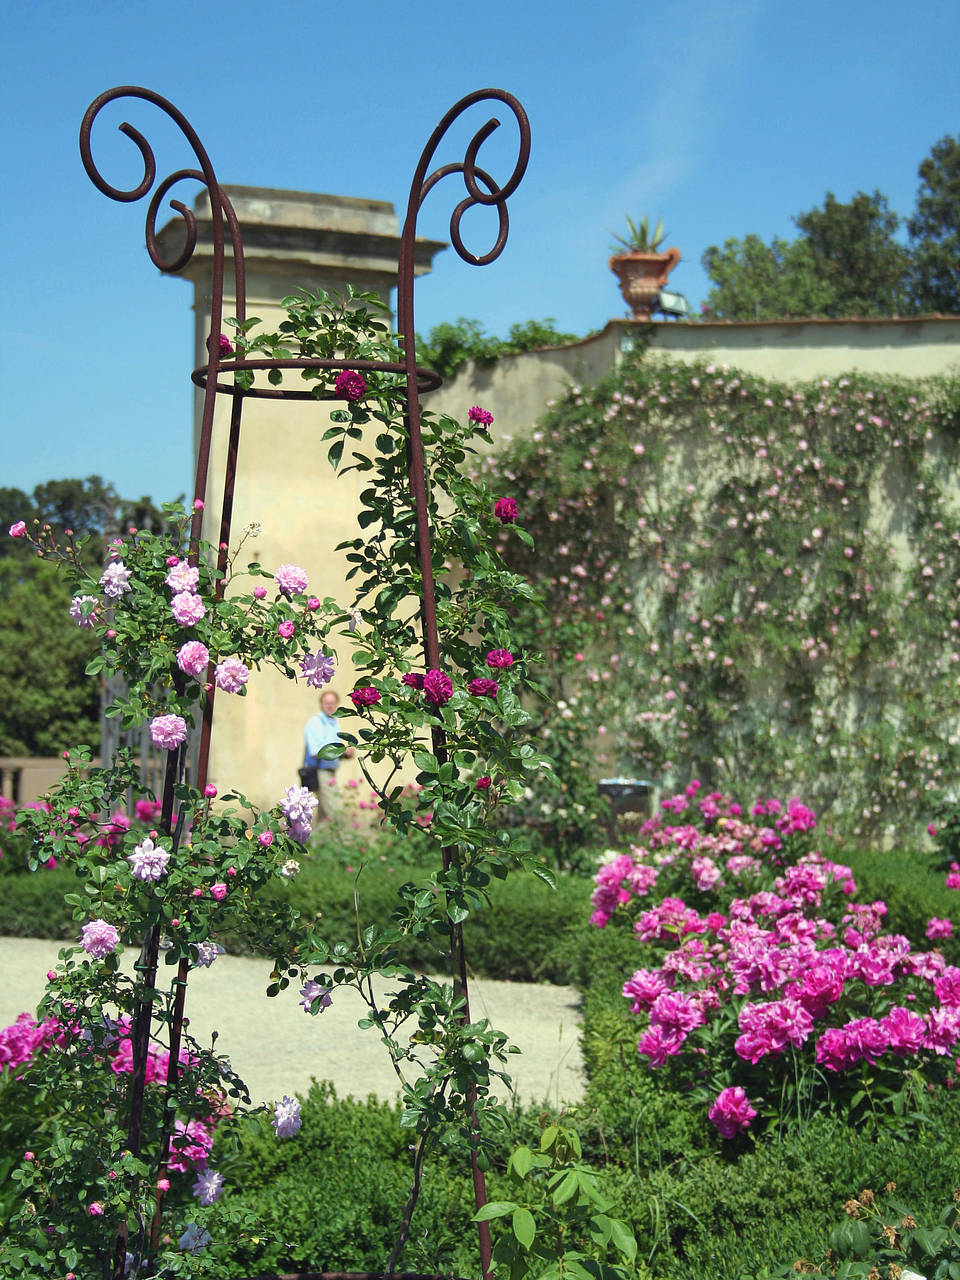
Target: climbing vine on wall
(753,583)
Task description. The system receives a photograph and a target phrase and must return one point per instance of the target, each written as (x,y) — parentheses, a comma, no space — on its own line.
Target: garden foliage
(177,619)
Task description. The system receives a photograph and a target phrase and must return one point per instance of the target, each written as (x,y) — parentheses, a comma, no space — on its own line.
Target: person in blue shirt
(319,731)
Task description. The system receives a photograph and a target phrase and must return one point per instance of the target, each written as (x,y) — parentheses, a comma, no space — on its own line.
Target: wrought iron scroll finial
(482,189)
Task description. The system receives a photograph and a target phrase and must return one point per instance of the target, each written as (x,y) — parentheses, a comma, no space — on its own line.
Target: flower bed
(769,988)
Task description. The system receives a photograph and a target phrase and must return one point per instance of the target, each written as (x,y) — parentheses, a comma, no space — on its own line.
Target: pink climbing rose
(366,696)
(506,510)
(183,576)
(231,675)
(98,938)
(167,732)
(481,416)
(317,668)
(193,658)
(483,688)
(84,610)
(437,687)
(187,608)
(148,862)
(290,577)
(499,659)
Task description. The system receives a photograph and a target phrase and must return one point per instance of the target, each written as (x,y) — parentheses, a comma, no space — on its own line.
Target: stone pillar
(285,484)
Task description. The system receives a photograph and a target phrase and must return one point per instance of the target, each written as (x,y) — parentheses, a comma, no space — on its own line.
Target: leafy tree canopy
(935,230)
(846,262)
(46,702)
(449,346)
(91,508)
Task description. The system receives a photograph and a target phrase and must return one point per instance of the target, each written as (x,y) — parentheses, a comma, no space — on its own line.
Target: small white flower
(310,991)
(148,862)
(208,1187)
(207,952)
(289,869)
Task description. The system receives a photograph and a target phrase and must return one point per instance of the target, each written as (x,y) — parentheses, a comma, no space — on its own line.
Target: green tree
(449,346)
(47,704)
(846,262)
(857,255)
(935,230)
(757,281)
(91,508)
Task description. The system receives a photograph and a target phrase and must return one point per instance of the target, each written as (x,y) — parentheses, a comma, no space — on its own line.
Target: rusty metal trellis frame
(481,189)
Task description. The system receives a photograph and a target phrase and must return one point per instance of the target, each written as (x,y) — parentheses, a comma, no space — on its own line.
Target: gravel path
(277,1048)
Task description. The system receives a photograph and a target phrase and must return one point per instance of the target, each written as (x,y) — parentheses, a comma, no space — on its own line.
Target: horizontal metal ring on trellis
(427,380)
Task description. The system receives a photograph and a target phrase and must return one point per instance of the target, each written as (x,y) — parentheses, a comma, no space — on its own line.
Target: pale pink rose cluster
(231,674)
(148,862)
(187,608)
(291,579)
(168,731)
(84,610)
(99,939)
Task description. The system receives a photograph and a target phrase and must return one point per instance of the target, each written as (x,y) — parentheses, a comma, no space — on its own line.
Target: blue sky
(725,118)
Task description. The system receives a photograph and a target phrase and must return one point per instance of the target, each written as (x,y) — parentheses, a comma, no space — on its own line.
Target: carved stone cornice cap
(344,235)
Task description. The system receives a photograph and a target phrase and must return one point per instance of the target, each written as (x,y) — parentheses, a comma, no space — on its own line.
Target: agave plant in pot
(640,267)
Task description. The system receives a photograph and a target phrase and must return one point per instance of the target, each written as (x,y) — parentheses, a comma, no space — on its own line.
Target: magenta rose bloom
(499,659)
(285,630)
(218,891)
(483,784)
(483,688)
(506,510)
(731,1112)
(167,732)
(366,696)
(290,577)
(412,679)
(482,416)
(193,658)
(18,529)
(349,385)
(437,687)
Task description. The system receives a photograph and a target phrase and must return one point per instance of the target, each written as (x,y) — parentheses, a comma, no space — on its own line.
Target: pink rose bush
(758,964)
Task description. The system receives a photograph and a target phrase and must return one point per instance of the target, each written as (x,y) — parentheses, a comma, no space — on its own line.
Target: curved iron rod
(481,189)
(495,195)
(221,211)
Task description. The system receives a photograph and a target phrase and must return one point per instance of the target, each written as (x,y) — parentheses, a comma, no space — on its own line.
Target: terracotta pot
(641,277)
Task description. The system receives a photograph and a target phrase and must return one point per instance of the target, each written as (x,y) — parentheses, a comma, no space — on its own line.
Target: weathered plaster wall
(517,387)
(284,482)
